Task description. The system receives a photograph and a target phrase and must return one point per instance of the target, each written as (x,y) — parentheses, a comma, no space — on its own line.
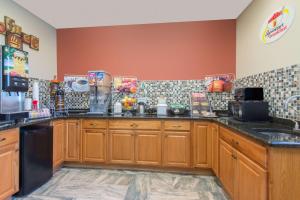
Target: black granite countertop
(269,133)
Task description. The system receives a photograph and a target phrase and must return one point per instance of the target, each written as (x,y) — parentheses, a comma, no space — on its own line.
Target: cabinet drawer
(135,124)
(58,122)
(254,151)
(92,123)
(227,135)
(178,125)
(9,136)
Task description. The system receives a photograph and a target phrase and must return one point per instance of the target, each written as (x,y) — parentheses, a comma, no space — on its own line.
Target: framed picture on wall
(26,38)
(2,28)
(14,40)
(9,23)
(34,42)
(17,30)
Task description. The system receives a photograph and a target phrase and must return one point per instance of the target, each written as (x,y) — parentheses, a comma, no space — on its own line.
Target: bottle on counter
(142,102)
(60,100)
(141,108)
(54,85)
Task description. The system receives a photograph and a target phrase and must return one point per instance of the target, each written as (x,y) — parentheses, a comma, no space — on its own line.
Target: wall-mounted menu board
(15,62)
(15,69)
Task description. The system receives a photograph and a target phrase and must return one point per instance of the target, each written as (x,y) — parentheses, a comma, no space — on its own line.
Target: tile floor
(102,184)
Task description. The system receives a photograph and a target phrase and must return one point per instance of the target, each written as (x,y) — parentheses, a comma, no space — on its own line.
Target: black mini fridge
(36,147)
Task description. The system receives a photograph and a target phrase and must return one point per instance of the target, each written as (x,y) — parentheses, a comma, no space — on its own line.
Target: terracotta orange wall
(169,51)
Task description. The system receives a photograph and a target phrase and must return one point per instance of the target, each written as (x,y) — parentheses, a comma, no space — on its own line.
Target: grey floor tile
(99,184)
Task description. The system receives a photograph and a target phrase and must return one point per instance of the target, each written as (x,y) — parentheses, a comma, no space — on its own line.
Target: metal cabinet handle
(235,143)
(134,125)
(2,139)
(232,142)
(176,126)
(95,131)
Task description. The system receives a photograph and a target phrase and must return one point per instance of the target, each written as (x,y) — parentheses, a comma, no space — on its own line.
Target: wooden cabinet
(148,148)
(250,180)
(283,173)
(244,177)
(176,149)
(177,125)
(9,163)
(121,146)
(94,145)
(135,124)
(202,145)
(94,140)
(58,142)
(135,142)
(94,124)
(215,148)
(226,173)
(253,150)
(72,141)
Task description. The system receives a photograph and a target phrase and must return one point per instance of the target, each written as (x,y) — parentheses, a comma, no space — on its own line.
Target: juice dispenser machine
(14,84)
(100,91)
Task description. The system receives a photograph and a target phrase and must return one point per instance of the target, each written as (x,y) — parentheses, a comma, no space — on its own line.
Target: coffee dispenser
(14,84)
(100,91)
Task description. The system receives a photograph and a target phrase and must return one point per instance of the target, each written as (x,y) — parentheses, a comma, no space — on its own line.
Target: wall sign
(76,83)
(277,24)
(14,36)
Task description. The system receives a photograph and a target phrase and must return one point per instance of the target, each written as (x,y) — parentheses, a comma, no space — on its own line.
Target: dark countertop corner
(276,133)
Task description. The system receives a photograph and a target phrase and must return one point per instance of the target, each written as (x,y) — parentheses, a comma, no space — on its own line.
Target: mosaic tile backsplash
(278,85)
(177,91)
(44,91)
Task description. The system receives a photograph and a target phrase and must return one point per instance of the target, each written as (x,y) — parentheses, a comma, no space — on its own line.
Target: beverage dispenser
(100,91)
(14,84)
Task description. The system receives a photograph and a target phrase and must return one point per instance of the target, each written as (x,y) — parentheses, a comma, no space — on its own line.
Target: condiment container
(117,108)
(162,106)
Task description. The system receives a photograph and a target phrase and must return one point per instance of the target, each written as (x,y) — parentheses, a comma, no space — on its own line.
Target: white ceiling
(88,13)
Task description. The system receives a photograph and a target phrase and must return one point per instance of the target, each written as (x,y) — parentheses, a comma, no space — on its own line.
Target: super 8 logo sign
(277,24)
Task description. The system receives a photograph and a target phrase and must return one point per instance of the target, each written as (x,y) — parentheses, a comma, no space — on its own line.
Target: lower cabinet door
(176,149)
(148,148)
(227,167)
(215,148)
(202,138)
(94,145)
(72,141)
(9,171)
(250,180)
(58,142)
(121,146)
